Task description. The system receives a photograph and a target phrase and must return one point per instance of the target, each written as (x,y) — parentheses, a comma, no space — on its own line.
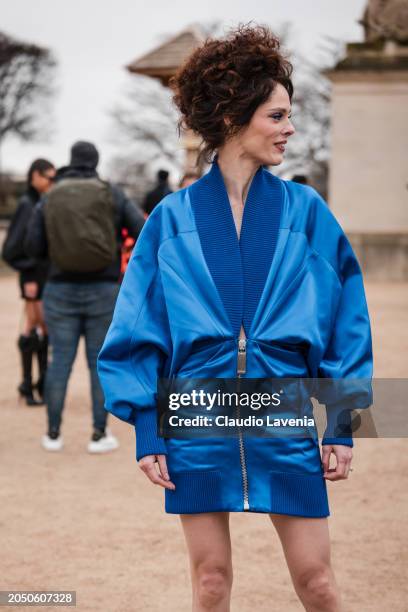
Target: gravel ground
(96,525)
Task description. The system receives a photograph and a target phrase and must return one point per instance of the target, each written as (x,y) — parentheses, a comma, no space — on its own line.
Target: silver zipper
(241,369)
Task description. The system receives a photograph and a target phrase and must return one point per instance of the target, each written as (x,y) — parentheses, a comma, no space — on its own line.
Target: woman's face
(43,181)
(264,139)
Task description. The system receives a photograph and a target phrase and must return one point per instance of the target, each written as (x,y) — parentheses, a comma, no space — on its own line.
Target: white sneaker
(52,445)
(105,444)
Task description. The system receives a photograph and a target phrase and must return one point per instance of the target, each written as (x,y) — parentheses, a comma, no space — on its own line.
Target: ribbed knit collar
(239,267)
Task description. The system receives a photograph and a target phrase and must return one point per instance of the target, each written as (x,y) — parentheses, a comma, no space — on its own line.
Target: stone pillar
(368,186)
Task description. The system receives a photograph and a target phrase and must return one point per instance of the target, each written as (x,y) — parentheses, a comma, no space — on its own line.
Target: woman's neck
(238,172)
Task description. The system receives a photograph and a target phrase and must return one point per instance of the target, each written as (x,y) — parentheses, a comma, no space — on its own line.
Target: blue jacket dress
(293,282)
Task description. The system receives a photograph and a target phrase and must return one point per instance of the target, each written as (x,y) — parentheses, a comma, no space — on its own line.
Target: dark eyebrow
(284,110)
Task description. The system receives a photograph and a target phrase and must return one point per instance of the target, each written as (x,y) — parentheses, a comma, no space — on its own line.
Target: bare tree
(25,83)
(144,130)
(26,75)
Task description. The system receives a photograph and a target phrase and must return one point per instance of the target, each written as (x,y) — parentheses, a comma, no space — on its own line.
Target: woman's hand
(31,290)
(343,454)
(148,465)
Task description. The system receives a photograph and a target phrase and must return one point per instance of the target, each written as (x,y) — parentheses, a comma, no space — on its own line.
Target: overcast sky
(94,39)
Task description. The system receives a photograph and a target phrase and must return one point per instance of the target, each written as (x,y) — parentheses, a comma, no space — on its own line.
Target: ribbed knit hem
(294,494)
(299,494)
(338,430)
(30,275)
(147,440)
(343,441)
(196,491)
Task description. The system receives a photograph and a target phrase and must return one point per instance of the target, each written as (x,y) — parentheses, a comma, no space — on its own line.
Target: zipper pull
(241,356)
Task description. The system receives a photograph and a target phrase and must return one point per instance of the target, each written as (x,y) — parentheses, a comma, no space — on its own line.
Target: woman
(32,277)
(241,275)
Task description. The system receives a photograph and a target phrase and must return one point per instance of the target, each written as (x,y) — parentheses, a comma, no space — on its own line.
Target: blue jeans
(72,310)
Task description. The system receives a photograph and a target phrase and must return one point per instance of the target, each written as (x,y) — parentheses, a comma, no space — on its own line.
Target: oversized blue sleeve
(138,343)
(348,358)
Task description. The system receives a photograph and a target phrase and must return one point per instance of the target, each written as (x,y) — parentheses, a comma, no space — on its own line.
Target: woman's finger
(153,475)
(348,468)
(326,452)
(161,460)
(331,474)
(341,467)
(340,471)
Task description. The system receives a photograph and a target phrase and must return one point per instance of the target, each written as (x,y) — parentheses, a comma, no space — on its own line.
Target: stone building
(368,186)
(162,63)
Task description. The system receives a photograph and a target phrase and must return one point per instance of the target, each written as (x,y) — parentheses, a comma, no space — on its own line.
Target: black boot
(42,356)
(27,346)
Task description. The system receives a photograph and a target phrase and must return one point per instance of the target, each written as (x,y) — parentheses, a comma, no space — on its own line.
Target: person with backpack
(32,277)
(79,226)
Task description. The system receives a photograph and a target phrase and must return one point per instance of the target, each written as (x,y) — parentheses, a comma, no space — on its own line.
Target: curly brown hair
(228,78)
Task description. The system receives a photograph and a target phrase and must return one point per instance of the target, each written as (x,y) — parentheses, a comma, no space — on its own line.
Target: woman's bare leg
(306,545)
(209,545)
(40,317)
(31,317)
(34,317)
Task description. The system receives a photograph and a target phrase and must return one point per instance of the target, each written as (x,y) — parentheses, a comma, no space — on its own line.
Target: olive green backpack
(79,218)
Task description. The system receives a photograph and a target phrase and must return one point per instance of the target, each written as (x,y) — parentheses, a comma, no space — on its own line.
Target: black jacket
(127,215)
(14,252)
(155,196)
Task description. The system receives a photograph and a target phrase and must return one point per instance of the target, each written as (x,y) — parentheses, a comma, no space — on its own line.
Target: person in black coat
(154,196)
(32,278)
